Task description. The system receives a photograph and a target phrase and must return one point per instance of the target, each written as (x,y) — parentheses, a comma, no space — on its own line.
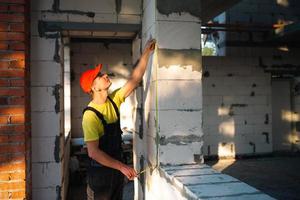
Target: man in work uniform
(102,133)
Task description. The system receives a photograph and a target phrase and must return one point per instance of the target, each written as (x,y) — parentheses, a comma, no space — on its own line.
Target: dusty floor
(278,177)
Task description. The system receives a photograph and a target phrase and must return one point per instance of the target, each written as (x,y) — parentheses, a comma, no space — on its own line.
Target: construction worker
(102,133)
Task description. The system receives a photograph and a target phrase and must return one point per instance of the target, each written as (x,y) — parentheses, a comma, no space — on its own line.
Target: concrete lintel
(53,26)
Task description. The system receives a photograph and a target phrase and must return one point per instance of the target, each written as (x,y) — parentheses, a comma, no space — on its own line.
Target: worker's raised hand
(150,46)
(129,172)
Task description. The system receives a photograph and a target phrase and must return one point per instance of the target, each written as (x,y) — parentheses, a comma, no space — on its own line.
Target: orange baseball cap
(87,78)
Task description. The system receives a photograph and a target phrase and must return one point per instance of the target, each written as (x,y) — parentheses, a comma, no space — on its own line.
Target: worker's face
(101,82)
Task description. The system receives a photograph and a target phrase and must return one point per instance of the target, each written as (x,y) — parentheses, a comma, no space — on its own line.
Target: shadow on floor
(78,191)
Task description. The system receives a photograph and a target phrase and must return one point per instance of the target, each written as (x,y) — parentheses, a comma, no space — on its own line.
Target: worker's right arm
(101,157)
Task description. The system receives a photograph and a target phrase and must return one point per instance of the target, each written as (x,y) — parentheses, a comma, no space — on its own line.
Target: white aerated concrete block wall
(47,85)
(237,111)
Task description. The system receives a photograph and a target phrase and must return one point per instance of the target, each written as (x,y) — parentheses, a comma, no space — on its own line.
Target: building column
(172,89)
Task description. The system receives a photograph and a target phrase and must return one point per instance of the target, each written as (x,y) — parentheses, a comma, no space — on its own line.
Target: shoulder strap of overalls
(99,115)
(115,107)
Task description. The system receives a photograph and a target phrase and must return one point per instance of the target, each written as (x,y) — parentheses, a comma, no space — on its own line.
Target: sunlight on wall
(284,3)
(226,149)
(223,111)
(293,138)
(289,116)
(227,128)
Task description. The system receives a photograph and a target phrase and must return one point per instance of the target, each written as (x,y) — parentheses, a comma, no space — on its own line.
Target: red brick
(17,119)
(12,64)
(12,185)
(4,64)
(4,83)
(4,26)
(12,92)
(12,73)
(19,194)
(17,27)
(16,46)
(11,36)
(12,129)
(20,175)
(17,82)
(11,18)
(4,46)
(4,138)
(12,110)
(3,8)
(12,166)
(3,100)
(16,8)
(18,55)
(13,157)
(12,148)
(3,120)
(13,1)
(16,101)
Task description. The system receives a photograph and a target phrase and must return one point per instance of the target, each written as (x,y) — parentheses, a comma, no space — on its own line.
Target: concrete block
(212,100)
(46,175)
(129,19)
(179,154)
(186,34)
(105,6)
(179,17)
(152,150)
(105,18)
(43,99)
(131,7)
(185,172)
(38,50)
(45,73)
(48,16)
(210,149)
(243,148)
(226,189)
(34,18)
(39,152)
(149,15)
(178,72)
(38,5)
(179,95)
(44,124)
(48,193)
(181,123)
(79,18)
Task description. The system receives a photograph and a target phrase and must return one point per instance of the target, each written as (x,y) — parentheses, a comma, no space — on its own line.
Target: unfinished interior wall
(237,107)
(48,79)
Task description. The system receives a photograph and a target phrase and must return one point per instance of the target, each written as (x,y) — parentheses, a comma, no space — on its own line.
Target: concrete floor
(278,177)
(78,191)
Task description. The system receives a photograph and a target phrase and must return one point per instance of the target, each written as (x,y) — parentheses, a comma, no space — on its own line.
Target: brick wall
(15,176)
